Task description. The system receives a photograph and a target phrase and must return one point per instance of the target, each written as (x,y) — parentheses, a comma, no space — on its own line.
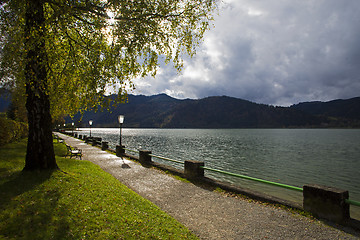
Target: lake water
(291,156)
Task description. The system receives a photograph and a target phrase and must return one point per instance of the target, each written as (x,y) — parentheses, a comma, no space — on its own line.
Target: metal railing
(298,189)
(130,150)
(352,202)
(255,179)
(167,159)
(156,156)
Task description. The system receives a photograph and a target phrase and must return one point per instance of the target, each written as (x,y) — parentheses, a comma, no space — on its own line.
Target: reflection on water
(292,156)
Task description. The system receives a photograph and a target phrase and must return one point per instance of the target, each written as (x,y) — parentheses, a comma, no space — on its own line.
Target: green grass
(79,202)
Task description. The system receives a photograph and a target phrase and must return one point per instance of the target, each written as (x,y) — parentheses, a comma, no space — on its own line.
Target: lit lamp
(72,128)
(121,121)
(90,123)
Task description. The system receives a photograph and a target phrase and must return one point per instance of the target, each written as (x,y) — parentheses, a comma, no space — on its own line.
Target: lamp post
(121,121)
(90,123)
(120,148)
(72,128)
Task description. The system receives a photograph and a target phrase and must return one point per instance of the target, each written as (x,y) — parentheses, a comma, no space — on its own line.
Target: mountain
(140,111)
(348,109)
(162,111)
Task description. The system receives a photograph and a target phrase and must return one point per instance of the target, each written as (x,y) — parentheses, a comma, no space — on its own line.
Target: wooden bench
(73,152)
(59,139)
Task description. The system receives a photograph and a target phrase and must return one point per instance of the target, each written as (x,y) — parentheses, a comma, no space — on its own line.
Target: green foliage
(11,130)
(93,46)
(68,54)
(79,202)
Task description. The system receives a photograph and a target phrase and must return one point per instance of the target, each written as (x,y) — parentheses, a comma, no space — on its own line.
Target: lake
(295,157)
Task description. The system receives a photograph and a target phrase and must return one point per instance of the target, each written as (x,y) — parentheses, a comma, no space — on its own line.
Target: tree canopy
(63,55)
(94,44)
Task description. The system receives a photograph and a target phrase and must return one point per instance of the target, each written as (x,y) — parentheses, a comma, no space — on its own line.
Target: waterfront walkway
(210,215)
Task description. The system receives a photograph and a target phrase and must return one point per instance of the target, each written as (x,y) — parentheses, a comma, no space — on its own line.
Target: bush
(11,130)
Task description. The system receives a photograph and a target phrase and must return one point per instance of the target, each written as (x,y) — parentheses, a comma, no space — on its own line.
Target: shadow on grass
(21,182)
(28,210)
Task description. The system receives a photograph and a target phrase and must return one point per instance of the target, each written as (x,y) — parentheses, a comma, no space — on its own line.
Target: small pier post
(326,202)
(144,157)
(193,169)
(120,150)
(104,145)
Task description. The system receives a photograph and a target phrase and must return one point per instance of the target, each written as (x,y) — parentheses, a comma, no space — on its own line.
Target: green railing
(255,179)
(167,159)
(156,156)
(130,150)
(352,202)
(299,189)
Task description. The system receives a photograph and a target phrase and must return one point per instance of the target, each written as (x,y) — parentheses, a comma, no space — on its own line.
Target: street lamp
(90,123)
(72,128)
(121,121)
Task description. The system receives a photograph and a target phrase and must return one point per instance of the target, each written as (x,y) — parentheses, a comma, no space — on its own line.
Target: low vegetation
(11,130)
(80,201)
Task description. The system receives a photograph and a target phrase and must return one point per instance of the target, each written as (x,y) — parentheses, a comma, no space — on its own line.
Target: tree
(67,53)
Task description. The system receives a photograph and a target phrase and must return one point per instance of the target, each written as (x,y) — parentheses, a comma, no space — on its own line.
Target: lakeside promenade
(210,215)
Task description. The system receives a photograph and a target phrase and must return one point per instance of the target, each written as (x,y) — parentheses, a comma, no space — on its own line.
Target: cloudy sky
(277,52)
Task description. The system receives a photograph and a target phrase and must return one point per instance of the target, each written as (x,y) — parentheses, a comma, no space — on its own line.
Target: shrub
(11,130)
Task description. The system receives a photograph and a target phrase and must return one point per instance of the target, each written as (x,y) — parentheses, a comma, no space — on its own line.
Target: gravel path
(208,214)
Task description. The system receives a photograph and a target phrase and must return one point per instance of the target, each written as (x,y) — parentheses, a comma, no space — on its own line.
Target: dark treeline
(162,111)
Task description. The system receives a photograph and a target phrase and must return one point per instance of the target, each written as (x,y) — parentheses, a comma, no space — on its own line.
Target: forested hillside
(162,111)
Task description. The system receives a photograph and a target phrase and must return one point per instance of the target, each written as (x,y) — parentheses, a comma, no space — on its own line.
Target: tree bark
(40,150)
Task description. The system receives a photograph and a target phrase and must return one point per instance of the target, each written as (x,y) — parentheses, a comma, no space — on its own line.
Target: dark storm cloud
(274,52)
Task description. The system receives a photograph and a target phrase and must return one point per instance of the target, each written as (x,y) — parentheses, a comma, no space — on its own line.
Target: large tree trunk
(40,150)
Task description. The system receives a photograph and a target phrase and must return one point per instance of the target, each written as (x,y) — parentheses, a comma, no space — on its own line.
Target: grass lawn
(79,202)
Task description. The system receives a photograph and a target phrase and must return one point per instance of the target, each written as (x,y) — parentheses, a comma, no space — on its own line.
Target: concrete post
(80,136)
(193,169)
(104,146)
(144,157)
(120,150)
(326,202)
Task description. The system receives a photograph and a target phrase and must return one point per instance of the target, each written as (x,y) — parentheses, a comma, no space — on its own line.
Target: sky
(277,52)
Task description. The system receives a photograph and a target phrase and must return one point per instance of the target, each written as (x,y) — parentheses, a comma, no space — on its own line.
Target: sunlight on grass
(79,202)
